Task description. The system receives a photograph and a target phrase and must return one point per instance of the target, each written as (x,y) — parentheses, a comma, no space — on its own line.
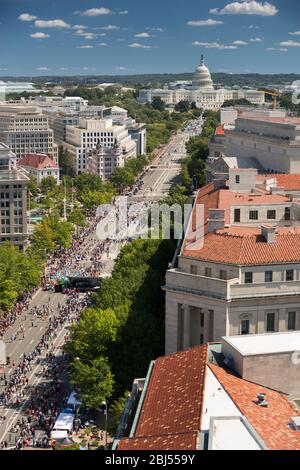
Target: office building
(24,129)
(13,199)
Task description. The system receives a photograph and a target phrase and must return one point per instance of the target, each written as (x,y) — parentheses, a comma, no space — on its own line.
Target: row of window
(253,214)
(270,323)
(289,276)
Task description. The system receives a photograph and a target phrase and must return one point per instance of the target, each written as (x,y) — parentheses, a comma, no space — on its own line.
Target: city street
(91,254)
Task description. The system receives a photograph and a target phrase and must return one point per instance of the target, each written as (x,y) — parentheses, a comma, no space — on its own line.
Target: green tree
(92,381)
(77,217)
(66,162)
(115,413)
(91,336)
(182,106)
(48,184)
(157,103)
(122,178)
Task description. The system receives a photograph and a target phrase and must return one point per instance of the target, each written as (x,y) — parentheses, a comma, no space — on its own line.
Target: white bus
(63,426)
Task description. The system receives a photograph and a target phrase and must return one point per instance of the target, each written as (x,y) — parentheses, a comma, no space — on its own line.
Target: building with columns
(201,92)
(238,270)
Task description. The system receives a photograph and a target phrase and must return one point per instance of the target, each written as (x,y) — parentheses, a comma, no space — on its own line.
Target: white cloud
(64,69)
(96,12)
(159,30)
(123,12)
(290,43)
(247,7)
(256,40)
(109,27)
(252,26)
(40,36)
(209,22)
(214,45)
(239,43)
(43,69)
(142,35)
(51,24)
(88,46)
(85,34)
(102,44)
(137,45)
(89,68)
(296,33)
(27,17)
(120,69)
(279,49)
(79,26)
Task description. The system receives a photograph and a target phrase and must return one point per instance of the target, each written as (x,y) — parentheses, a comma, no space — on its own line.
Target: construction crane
(274,95)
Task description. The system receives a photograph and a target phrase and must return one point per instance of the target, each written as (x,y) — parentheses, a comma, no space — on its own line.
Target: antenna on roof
(202,59)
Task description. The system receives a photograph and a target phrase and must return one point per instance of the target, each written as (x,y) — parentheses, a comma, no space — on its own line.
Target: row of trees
(117,338)
(198,150)
(19,273)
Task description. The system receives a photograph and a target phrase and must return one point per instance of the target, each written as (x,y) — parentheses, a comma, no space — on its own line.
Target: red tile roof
(38,161)
(288,182)
(180,441)
(174,397)
(248,249)
(171,412)
(272,423)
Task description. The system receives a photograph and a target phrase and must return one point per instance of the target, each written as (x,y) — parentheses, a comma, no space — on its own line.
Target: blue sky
(67,37)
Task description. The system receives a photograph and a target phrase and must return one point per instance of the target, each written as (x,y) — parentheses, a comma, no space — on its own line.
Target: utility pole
(65,203)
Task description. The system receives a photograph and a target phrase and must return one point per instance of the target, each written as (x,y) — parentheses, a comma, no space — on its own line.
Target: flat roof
(270,343)
(231,433)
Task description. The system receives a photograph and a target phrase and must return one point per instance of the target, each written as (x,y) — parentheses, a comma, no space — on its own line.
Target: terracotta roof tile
(248,250)
(38,161)
(173,401)
(272,423)
(180,441)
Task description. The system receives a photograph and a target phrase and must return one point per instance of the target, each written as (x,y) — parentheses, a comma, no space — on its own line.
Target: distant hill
(253,79)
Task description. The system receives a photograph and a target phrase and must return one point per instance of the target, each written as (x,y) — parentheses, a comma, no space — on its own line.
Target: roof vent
(295,423)
(262,400)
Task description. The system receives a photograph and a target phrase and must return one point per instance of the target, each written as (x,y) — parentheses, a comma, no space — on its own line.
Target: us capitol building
(200,91)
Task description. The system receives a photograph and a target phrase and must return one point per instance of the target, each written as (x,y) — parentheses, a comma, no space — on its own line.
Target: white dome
(202,77)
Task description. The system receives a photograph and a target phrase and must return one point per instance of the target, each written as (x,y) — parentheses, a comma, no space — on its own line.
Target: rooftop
(252,345)
(38,161)
(187,395)
(244,249)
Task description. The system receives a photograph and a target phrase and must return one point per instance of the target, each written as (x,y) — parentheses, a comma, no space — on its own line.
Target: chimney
(269,233)
(216,219)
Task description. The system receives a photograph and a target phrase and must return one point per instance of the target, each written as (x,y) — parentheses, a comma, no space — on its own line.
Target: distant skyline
(122,37)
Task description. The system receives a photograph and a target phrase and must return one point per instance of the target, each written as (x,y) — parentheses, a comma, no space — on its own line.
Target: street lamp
(104,403)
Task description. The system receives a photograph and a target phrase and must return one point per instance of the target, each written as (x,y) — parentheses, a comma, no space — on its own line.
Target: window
(291,320)
(248,278)
(223,275)
(290,275)
(193,269)
(202,319)
(270,322)
(271,215)
(269,276)
(253,215)
(237,215)
(245,327)
(237,179)
(208,272)
(287,213)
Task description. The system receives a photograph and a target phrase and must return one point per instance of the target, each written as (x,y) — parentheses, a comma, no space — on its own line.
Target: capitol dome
(202,77)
